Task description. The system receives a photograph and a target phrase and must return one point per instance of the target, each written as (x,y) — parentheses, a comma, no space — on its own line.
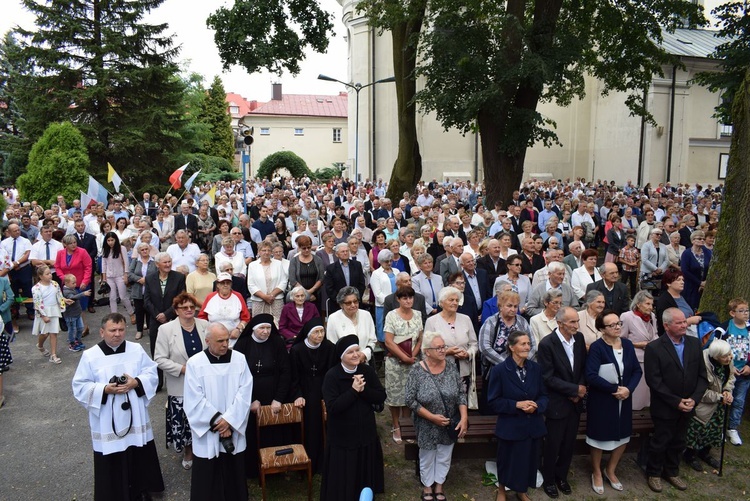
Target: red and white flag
(176,178)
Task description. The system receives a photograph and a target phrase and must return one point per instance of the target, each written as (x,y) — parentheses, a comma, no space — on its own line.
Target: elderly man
(551,256)
(676,374)
(218,394)
(186,220)
(18,249)
(573,260)
(492,263)
(342,272)
(555,280)
(478,288)
(562,355)
(242,246)
(615,292)
(183,252)
(452,264)
(115,381)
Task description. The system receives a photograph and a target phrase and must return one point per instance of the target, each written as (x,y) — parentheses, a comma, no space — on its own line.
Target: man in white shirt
(20,275)
(44,252)
(183,252)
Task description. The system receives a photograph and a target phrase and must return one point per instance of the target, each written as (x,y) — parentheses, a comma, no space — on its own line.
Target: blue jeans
(379,320)
(75,328)
(741,385)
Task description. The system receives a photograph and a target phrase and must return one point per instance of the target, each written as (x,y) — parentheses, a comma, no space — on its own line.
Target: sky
(187,21)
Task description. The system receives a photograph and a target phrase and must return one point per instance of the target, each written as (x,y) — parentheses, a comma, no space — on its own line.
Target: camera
(227,444)
(118,380)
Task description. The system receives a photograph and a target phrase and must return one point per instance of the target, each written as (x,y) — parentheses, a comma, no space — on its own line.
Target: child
(737,337)
(49,305)
(73,312)
(114,272)
(628,259)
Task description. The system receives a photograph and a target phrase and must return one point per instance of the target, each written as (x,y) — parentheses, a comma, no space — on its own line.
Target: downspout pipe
(642,140)
(373,151)
(671,124)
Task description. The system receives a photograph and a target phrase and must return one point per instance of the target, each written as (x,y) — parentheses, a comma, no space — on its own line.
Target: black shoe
(91,309)
(710,460)
(694,464)
(564,487)
(551,491)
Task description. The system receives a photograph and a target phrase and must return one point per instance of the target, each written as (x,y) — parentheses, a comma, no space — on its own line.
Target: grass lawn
(465,478)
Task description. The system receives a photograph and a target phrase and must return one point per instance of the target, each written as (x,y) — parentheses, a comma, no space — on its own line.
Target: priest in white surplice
(218,394)
(126,464)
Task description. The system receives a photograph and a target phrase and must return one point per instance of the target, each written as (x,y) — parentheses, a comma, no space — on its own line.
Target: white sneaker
(734,437)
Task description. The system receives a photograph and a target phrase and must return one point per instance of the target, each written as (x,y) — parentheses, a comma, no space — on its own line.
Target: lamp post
(356,87)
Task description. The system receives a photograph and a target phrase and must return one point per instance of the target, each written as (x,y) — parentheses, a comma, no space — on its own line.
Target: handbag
(406,347)
(471,397)
(454,418)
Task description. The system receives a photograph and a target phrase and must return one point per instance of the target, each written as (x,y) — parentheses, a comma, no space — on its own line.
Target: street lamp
(357,87)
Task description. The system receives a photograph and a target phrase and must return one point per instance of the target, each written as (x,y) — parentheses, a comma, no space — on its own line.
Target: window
(299,132)
(234,110)
(725,130)
(336,135)
(265,131)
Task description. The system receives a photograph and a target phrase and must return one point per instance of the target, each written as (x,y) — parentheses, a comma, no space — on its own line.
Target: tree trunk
(407,170)
(729,274)
(503,173)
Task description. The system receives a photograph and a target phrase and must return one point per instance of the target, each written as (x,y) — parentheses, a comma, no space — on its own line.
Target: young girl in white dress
(48,305)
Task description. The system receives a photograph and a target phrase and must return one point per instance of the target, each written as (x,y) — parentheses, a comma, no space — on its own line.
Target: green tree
(14,146)
(288,160)
(733,56)
(98,65)
(729,275)
(214,114)
(270,34)
(58,165)
(488,65)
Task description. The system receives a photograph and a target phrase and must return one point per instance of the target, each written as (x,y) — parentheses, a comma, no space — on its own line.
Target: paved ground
(45,443)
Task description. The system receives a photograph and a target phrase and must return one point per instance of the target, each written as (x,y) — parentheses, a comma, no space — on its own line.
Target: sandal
(427,496)
(55,359)
(138,335)
(44,351)
(393,436)
(440,496)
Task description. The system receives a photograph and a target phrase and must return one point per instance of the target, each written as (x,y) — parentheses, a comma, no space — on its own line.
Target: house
(312,126)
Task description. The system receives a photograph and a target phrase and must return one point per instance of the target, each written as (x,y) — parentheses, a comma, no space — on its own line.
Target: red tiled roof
(306,105)
(243,104)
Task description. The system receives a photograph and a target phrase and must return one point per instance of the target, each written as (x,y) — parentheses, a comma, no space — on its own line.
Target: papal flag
(210,196)
(113,177)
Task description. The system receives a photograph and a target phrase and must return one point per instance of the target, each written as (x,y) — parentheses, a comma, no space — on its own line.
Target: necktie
(354,258)
(434,301)
(185,221)
(13,255)
(47,251)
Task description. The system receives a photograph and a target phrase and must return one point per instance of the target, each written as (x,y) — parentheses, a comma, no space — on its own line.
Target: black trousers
(666,446)
(20,283)
(557,451)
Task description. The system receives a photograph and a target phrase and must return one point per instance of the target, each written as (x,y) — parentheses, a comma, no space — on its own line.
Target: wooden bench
(480,440)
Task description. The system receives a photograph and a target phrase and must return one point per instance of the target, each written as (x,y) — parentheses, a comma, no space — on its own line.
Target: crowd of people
(573,296)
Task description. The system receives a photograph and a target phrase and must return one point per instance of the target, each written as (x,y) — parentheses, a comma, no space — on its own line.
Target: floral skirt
(700,436)
(5,357)
(178,428)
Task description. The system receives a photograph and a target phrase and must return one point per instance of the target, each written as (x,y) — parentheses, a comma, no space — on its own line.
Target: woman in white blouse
(266,283)
(351,320)
(543,323)
(228,254)
(586,274)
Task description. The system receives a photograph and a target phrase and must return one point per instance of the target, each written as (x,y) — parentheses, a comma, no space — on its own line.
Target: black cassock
(269,364)
(353,457)
(309,367)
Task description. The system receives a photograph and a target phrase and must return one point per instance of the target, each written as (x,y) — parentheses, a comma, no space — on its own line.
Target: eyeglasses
(742,311)
(615,325)
(459,282)
(186,307)
(307,247)
(349,303)
(437,348)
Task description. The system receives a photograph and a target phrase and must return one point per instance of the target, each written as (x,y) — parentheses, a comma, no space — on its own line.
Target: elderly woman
(403,338)
(612,372)
(228,254)
(521,283)
(226,307)
(327,253)
(338,228)
(615,240)
(673,284)
(434,393)
(694,264)
(382,284)
(306,270)
(586,274)
(654,259)
(352,319)
(398,262)
(543,323)
(137,271)
(295,314)
(353,456)
(75,261)
(639,326)
(706,425)
(457,330)
(310,357)
(517,395)
(176,342)
(593,307)
(206,227)
(674,250)
(268,360)
(217,241)
(266,282)
(378,244)
(200,282)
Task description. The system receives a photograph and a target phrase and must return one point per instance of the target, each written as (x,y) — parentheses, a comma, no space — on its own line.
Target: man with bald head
(478,287)
(615,292)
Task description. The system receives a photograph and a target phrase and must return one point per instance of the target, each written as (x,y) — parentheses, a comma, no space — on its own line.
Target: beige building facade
(599,139)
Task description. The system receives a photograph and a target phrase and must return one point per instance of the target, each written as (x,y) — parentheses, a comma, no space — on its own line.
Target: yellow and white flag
(113,177)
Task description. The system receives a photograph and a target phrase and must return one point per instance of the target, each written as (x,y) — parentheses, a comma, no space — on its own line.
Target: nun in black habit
(353,457)
(311,356)
(268,360)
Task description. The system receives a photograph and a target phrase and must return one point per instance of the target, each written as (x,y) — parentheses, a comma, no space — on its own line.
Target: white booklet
(608,372)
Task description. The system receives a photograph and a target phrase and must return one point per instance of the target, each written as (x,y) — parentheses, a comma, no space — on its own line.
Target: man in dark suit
(562,355)
(87,242)
(390,302)
(158,301)
(688,230)
(342,272)
(451,264)
(514,214)
(187,221)
(149,207)
(615,292)
(477,288)
(676,374)
(492,263)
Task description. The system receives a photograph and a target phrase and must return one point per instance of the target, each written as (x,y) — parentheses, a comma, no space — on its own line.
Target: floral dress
(48,302)
(395,371)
